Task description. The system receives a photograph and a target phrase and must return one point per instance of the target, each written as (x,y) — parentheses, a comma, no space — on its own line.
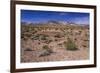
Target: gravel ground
(32,50)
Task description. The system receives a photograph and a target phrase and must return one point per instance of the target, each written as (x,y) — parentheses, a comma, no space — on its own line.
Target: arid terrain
(54,42)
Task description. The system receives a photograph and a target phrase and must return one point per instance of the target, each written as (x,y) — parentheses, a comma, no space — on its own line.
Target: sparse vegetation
(28,49)
(53,43)
(57,36)
(48,41)
(35,37)
(60,44)
(70,45)
(46,51)
(44,37)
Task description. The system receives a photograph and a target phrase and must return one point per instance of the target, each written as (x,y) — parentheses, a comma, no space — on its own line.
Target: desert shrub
(60,44)
(84,45)
(46,51)
(44,37)
(86,35)
(34,32)
(80,31)
(57,36)
(28,49)
(70,45)
(66,33)
(39,37)
(27,34)
(24,38)
(48,41)
(35,37)
(45,47)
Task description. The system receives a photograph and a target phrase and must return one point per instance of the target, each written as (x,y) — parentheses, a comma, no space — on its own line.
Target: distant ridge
(55,23)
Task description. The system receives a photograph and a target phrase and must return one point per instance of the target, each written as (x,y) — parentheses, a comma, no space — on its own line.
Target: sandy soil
(32,49)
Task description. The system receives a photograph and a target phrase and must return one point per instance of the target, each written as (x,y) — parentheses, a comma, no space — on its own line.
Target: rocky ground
(41,46)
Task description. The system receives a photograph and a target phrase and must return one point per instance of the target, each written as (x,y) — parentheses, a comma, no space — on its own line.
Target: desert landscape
(54,41)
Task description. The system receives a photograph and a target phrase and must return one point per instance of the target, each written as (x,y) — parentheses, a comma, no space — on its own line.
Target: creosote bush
(45,47)
(44,37)
(70,45)
(46,51)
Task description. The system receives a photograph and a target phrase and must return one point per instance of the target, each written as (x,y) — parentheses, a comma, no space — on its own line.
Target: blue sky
(34,16)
